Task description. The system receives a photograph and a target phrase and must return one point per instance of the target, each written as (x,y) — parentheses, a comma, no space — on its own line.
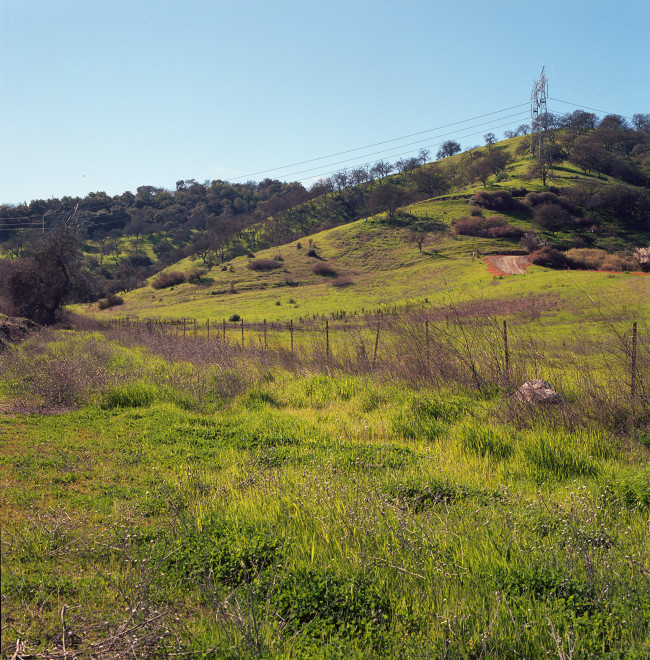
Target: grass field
(192,498)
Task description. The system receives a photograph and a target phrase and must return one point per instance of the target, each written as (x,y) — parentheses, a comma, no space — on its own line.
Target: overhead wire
(375,144)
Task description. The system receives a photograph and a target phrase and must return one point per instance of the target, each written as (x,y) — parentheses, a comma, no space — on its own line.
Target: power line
(586,107)
(486,125)
(369,146)
(400,154)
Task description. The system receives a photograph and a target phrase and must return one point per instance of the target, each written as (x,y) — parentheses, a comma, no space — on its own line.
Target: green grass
(234,507)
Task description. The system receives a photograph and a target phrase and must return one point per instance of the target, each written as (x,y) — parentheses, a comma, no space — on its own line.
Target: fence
(486,349)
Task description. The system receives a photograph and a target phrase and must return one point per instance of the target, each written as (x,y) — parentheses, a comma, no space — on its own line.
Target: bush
(264,264)
(548,257)
(342,281)
(234,318)
(476,211)
(594,259)
(196,274)
(531,241)
(551,217)
(323,269)
(498,200)
(170,278)
(312,253)
(111,300)
(493,227)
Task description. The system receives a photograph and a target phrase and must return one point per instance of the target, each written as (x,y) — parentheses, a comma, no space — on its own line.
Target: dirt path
(507,264)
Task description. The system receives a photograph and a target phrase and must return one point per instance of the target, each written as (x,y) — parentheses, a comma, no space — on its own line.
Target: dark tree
(448,148)
(431,180)
(490,139)
(388,197)
(641,123)
(36,286)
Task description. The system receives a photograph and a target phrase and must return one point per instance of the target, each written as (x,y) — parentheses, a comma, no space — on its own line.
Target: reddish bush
(533,199)
(493,227)
(264,264)
(551,216)
(324,269)
(341,281)
(497,200)
(548,257)
(111,300)
(170,278)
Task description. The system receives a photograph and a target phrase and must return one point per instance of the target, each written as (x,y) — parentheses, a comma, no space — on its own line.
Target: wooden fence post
(242,334)
(291,331)
(224,331)
(633,370)
(374,355)
(426,332)
(265,344)
(207,328)
(327,342)
(505,348)
(194,328)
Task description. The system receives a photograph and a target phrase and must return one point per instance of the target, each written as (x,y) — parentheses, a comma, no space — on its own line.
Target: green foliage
(321,604)
(223,552)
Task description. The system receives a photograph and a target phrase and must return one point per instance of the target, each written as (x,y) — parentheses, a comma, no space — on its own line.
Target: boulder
(536,391)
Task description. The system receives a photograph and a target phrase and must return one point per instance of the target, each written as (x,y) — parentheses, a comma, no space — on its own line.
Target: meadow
(179,497)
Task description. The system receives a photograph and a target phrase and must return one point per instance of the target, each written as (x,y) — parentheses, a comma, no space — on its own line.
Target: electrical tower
(540,146)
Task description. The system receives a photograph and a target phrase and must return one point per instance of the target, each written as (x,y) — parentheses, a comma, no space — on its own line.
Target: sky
(110,95)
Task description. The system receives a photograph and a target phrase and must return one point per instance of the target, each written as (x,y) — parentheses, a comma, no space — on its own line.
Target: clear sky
(114,94)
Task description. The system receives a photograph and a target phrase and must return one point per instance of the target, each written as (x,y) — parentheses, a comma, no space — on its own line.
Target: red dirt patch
(507,264)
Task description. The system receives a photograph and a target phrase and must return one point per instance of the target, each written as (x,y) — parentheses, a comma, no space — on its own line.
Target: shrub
(234,318)
(493,227)
(196,274)
(170,278)
(476,211)
(551,217)
(519,192)
(312,253)
(531,241)
(548,257)
(342,281)
(111,300)
(641,258)
(497,200)
(533,199)
(264,264)
(324,269)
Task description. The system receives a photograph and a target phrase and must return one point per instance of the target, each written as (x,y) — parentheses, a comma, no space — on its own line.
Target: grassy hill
(374,488)
(374,262)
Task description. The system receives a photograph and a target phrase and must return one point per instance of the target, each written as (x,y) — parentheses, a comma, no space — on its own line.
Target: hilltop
(394,235)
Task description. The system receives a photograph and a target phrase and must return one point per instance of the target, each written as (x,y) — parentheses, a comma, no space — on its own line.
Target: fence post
(224,331)
(505,348)
(374,355)
(327,342)
(426,332)
(194,328)
(265,344)
(633,371)
(242,334)
(291,331)
(207,328)
(183,327)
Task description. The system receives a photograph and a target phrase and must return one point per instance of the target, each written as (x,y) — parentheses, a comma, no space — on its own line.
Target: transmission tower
(538,114)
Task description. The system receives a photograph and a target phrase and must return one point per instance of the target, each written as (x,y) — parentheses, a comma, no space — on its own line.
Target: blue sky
(114,94)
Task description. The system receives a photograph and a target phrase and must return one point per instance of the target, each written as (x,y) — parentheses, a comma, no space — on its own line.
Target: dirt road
(508,264)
